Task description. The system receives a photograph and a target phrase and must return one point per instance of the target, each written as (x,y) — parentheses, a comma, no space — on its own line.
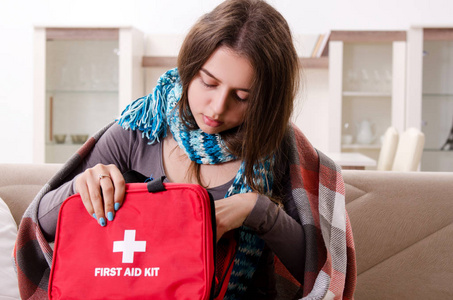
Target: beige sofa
(402,225)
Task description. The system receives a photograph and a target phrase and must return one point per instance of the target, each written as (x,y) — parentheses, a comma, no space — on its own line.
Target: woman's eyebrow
(215,78)
(209,74)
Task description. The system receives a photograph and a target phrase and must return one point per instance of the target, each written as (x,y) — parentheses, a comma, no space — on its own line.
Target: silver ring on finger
(101,176)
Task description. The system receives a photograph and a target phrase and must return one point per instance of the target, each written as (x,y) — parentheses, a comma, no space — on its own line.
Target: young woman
(222,120)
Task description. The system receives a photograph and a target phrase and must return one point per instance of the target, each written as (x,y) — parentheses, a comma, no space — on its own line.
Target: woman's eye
(240,99)
(241,96)
(207,84)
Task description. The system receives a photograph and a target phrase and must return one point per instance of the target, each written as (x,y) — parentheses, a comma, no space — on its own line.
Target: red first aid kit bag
(161,245)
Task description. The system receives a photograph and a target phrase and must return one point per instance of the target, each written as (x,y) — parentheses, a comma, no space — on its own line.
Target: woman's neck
(177,167)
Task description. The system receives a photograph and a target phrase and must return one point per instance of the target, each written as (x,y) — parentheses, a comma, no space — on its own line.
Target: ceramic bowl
(59,138)
(79,138)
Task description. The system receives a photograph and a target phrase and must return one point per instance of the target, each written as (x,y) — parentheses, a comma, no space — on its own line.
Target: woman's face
(218,93)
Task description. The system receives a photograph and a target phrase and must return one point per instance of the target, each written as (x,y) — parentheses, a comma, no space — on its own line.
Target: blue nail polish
(110,216)
(102,221)
(94,216)
(117,206)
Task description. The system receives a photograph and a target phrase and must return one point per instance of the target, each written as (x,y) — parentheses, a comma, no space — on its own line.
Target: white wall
(17,18)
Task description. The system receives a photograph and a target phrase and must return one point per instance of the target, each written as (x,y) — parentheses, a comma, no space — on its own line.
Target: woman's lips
(211,122)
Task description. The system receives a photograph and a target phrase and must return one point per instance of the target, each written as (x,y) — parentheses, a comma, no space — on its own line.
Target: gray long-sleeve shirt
(129,151)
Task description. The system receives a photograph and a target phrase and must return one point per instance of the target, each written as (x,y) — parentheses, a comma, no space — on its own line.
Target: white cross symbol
(129,246)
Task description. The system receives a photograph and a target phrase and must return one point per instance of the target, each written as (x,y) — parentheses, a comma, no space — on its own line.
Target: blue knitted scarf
(151,115)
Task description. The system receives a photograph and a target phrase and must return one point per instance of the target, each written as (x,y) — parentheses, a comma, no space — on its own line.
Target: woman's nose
(219,102)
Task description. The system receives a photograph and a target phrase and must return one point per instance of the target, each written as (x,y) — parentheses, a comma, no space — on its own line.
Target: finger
(219,236)
(221,218)
(119,187)
(94,190)
(82,189)
(219,233)
(107,190)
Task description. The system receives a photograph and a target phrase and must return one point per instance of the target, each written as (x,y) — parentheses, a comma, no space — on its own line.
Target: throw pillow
(8,232)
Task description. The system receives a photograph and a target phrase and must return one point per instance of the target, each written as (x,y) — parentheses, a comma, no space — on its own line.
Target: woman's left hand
(232,211)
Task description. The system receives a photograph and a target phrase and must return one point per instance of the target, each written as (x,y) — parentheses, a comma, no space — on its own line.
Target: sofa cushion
(19,184)
(8,231)
(403,233)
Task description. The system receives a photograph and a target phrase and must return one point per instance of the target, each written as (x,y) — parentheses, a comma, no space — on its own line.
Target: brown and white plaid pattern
(319,195)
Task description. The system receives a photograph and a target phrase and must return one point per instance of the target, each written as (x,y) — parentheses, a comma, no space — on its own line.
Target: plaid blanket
(317,192)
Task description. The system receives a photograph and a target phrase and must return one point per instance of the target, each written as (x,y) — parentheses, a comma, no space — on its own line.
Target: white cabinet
(83,78)
(430,53)
(367,88)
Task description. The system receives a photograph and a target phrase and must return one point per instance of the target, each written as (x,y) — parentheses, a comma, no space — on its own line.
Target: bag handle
(153,185)
(157,185)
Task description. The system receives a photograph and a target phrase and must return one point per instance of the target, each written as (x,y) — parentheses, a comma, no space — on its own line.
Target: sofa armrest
(19,184)
(402,224)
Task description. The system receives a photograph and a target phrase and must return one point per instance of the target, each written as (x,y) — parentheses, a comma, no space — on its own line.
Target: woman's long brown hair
(256,31)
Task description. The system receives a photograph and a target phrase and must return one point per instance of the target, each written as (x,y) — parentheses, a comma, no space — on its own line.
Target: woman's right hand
(102,190)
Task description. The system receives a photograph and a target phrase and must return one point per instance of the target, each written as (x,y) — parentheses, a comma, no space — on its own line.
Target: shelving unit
(431,60)
(84,77)
(366,86)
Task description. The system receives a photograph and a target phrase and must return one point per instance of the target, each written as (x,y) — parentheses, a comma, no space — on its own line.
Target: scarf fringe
(146,116)
(148,113)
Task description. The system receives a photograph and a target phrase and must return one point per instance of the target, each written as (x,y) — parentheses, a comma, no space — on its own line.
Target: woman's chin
(210,130)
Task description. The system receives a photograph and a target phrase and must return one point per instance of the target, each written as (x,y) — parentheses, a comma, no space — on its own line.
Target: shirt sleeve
(283,234)
(112,148)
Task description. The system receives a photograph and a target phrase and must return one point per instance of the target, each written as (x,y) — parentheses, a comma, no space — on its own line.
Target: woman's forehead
(228,67)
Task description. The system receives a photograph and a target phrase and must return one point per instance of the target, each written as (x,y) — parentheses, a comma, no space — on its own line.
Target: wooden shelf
(437,150)
(367,36)
(306,62)
(82,34)
(438,34)
(437,95)
(65,144)
(159,61)
(86,91)
(361,147)
(366,94)
(314,62)
(171,61)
